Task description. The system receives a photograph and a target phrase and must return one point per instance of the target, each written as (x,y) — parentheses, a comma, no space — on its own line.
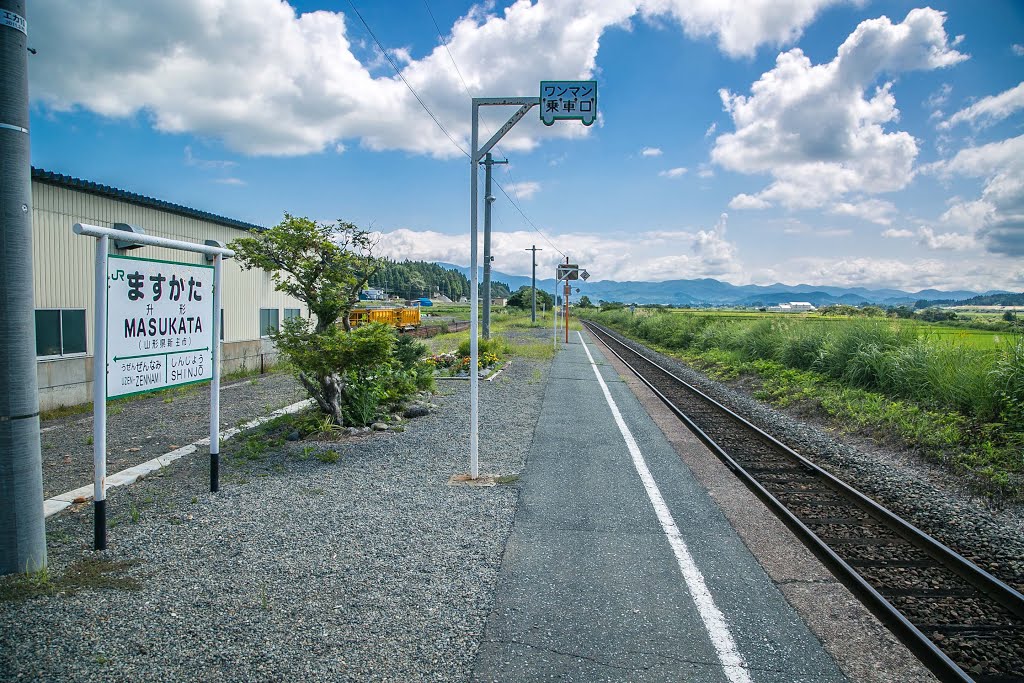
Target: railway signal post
(558,100)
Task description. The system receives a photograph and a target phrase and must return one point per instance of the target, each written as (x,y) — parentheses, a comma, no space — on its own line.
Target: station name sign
(159,324)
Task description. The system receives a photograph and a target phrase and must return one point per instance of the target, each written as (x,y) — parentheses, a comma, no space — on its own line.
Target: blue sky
(753,141)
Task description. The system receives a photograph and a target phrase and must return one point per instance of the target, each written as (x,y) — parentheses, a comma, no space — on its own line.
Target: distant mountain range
(711,292)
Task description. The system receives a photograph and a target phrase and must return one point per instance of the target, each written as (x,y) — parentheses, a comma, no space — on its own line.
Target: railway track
(962,622)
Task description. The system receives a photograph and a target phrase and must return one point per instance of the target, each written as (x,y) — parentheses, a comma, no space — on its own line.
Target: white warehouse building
(63,264)
(793,307)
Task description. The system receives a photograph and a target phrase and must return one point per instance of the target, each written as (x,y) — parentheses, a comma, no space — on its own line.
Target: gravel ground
(141,429)
(932,499)
(368,568)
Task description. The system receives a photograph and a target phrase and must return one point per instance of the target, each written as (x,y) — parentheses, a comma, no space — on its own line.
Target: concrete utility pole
(22,530)
(488,200)
(533,291)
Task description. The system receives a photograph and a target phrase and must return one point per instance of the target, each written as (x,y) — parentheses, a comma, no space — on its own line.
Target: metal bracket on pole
(513,120)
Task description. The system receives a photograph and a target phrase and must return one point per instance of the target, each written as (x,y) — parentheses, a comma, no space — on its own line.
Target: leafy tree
(1009,316)
(323,265)
(585,302)
(523,298)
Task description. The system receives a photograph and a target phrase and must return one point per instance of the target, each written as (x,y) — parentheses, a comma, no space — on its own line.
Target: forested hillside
(414,279)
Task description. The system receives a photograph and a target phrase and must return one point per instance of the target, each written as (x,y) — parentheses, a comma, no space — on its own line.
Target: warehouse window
(269,321)
(290,313)
(60,332)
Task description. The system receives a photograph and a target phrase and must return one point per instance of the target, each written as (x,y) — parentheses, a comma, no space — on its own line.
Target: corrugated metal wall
(63,262)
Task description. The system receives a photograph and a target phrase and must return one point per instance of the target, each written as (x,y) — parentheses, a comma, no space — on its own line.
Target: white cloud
(910,274)
(950,240)
(650,152)
(524,190)
(874,210)
(267,80)
(652,255)
(677,172)
(192,160)
(746,201)
(1017,49)
(894,233)
(705,171)
(741,26)
(989,110)
(711,129)
(229,181)
(816,128)
(997,216)
(939,98)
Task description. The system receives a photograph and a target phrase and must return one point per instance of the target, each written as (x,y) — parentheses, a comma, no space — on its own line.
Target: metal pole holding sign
(215,384)
(99,398)
(564,100)
(155,337)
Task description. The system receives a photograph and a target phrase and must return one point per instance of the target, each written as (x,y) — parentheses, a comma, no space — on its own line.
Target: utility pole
(533,291)
(566,303)
(488,200)
(22,528)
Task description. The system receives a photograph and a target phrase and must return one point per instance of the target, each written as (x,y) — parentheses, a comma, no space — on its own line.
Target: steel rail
(930,655)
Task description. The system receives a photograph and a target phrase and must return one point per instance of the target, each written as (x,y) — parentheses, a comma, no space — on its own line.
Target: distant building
(372,295)
(792,307)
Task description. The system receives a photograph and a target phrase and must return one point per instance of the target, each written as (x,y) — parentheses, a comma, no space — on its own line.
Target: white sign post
(578,95)
(156,326)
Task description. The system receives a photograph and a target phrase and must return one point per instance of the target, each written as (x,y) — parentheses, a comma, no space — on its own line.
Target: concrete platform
(622,567)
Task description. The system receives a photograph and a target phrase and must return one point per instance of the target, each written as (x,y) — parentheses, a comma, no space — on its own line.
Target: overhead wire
(517,201)
(398,71)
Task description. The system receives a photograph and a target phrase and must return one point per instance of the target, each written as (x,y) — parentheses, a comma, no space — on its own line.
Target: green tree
(323,265)
(523,298)
(585,302)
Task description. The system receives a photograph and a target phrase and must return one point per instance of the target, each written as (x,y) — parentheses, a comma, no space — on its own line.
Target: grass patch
(953,403)
(329,456)
(86,573)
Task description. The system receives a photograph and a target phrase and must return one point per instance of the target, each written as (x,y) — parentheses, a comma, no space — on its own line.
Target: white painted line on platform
(714,621)
(52,506)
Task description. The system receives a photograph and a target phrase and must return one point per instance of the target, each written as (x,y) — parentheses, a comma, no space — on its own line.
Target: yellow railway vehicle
(404,318)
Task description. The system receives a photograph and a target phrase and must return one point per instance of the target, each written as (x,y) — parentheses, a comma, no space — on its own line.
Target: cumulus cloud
(711,129)
(950,240)
(989,110)
(746,201)
(997,216)
(653,255)
(894,233)
(267,80)
(677,172)
(741,26)
(874,210)
(907,274)
(650,152)
(818,130)
(524,190)
(1017,49)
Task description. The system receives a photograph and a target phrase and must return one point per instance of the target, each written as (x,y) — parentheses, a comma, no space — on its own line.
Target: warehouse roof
(69,182)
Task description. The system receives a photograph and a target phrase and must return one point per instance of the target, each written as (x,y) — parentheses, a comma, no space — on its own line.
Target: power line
(527,218)
(400,75)
(515,202)
(437,121)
